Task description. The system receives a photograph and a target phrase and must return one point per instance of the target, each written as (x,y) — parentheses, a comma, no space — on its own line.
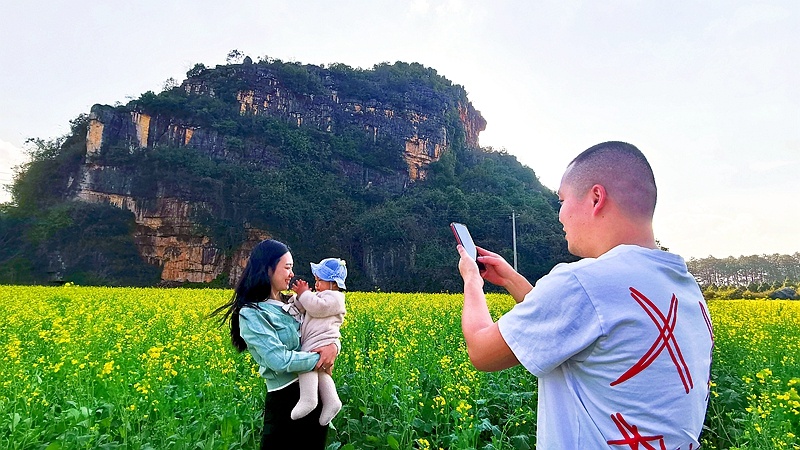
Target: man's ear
(599,197)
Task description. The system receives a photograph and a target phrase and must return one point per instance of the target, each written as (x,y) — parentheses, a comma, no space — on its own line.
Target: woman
(262,320)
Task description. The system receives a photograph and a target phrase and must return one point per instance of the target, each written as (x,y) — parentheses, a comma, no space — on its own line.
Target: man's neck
(628,232)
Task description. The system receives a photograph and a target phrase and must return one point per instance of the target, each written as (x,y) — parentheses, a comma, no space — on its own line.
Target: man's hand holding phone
(468,268)
(496,269)
(491,267)
(465,240)
(499,272)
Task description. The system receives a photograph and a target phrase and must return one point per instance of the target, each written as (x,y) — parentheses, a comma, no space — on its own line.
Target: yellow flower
(108,367)
(463,407)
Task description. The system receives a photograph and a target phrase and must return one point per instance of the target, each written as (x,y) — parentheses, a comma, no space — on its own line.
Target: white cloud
(420,6)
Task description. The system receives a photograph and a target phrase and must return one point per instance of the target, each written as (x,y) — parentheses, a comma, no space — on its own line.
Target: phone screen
(464,238)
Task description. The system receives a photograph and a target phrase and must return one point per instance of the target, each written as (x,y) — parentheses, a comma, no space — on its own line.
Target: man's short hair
(622,170)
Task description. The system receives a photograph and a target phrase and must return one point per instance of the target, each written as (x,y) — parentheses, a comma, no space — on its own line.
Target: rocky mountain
(333,160)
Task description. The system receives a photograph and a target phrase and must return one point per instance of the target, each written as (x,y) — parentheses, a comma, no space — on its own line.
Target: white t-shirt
(621,345)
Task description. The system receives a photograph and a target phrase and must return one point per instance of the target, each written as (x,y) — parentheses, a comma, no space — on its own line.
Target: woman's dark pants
(281,432)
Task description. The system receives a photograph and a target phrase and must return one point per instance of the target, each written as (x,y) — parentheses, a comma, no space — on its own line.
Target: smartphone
(465,239)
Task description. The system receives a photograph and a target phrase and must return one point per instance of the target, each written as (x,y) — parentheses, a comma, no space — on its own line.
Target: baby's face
(322,285)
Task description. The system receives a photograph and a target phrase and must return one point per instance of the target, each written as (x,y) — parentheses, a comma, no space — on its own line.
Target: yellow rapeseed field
(755,402)
(90,367)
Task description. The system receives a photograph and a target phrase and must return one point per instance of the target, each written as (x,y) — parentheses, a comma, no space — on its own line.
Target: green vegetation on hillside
(45,236)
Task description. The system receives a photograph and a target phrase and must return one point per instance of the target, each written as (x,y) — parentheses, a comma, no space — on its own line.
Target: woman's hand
(299,286)
(327,356)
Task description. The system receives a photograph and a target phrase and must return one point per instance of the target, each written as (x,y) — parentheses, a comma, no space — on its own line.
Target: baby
(323,315)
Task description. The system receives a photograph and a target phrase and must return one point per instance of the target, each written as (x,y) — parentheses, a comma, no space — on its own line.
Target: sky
(708,90)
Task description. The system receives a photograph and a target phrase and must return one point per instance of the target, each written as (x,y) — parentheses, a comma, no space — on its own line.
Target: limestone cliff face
(421,134)
(167,237)
(166,234)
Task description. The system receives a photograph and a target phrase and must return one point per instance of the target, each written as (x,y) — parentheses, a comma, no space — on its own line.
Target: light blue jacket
(273,339)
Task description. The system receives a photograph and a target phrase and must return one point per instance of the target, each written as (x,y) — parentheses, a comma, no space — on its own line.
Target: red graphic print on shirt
(631,436)
(665,340)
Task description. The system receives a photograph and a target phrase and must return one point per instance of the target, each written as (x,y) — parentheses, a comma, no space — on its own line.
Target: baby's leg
(308,394)
(331,405)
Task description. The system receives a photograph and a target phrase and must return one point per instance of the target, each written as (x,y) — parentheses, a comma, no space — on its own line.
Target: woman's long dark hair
(254,286)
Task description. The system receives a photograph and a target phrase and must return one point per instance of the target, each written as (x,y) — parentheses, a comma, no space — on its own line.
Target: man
(621,340)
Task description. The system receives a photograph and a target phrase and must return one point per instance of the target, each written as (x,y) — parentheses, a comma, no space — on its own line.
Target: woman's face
(282,275)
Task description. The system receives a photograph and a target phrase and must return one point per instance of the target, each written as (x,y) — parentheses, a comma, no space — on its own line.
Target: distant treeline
(748,276)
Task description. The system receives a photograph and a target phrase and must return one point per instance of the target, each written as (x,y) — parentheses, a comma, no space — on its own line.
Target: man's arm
(487,349)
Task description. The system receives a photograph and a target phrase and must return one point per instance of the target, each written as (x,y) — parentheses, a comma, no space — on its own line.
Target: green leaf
(520,442)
